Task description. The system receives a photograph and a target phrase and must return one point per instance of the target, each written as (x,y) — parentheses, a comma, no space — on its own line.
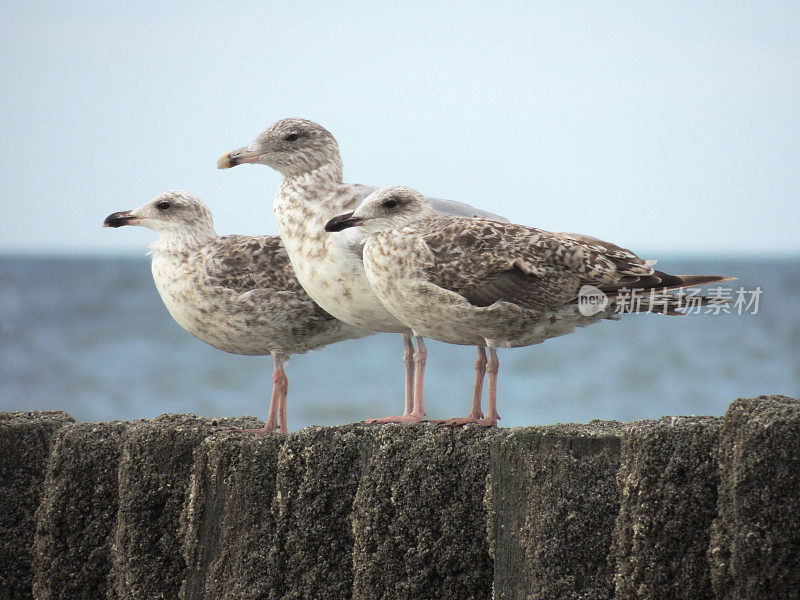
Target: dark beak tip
(341,222)
(117,219)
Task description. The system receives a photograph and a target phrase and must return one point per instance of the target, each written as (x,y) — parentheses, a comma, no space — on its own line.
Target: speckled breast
(330,271)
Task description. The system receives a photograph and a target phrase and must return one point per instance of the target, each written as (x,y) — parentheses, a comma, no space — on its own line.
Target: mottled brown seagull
(330,267)
(477,281)
(235,292)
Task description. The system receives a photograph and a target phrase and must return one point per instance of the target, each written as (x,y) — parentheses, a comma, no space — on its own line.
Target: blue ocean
(90,336)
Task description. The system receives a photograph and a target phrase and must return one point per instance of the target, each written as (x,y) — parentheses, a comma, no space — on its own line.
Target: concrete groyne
(176,507)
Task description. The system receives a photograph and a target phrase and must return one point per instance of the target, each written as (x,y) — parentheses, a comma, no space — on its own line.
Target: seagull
(237,293)
(478,281)
(330,267)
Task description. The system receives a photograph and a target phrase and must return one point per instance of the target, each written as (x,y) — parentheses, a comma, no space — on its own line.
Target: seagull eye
(390,203)
(292,137)
(163,205)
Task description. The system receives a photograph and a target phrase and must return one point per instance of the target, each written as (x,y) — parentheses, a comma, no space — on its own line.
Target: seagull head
(174,213)
(387,208)
(291,146)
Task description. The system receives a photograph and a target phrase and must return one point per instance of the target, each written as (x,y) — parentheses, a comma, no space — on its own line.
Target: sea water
(90,336)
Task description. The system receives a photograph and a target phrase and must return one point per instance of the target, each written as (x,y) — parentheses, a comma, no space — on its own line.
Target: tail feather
(650,294)
(660,281)
(693,280)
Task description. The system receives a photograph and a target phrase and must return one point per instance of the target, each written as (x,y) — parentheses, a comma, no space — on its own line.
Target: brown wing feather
(255,264)
(486,261)
(520,288)
(246,263)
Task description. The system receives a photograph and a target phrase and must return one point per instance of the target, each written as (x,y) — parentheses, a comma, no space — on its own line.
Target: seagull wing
(486,261)
(256,270)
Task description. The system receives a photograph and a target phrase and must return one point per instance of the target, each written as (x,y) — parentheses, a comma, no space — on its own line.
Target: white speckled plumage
(477,281)
(329,266)
(237,293)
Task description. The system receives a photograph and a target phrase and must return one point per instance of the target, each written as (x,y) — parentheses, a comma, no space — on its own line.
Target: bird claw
(395,419)
(461,421)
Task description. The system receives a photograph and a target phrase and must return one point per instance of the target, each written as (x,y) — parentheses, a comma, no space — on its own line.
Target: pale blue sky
(660,126)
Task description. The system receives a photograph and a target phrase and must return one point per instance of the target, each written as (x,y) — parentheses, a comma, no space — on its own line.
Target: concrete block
(318,473)
(154,473)
(76,518)
(755,539)
(419,520)
(26,439)
(553,498)
(668,484)
(228,526)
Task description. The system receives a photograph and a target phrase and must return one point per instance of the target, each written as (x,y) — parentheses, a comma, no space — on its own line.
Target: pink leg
(420,360)
(277,403)
(418,410)
(493,369)
(408,361)
(274,402)
(282,382)
(480,372)
(492,416)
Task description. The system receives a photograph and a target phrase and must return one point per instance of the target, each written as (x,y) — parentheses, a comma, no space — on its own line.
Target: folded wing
(486,262)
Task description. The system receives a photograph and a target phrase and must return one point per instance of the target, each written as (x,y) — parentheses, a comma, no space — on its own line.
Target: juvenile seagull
(330,267)
(236,292)
(476,281)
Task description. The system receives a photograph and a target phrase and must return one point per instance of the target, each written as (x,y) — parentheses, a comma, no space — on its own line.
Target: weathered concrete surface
(668,483)
(318,473)
(26,439)
(553,498)
(228,527)
(685,507)
(280,526)
(76,518)
(419,519)
(283,525)
(755,541)
(154,474)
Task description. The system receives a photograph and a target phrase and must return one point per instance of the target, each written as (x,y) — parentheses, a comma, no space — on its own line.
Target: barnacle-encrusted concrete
(78,511)
(154,472)
(227,524)
(419,520)
(668,497)
(25,442)
(181,507)
(755,539)
(553,497)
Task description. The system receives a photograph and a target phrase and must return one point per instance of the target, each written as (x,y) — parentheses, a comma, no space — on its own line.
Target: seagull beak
(343,222)
(118,219)
(237,157)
